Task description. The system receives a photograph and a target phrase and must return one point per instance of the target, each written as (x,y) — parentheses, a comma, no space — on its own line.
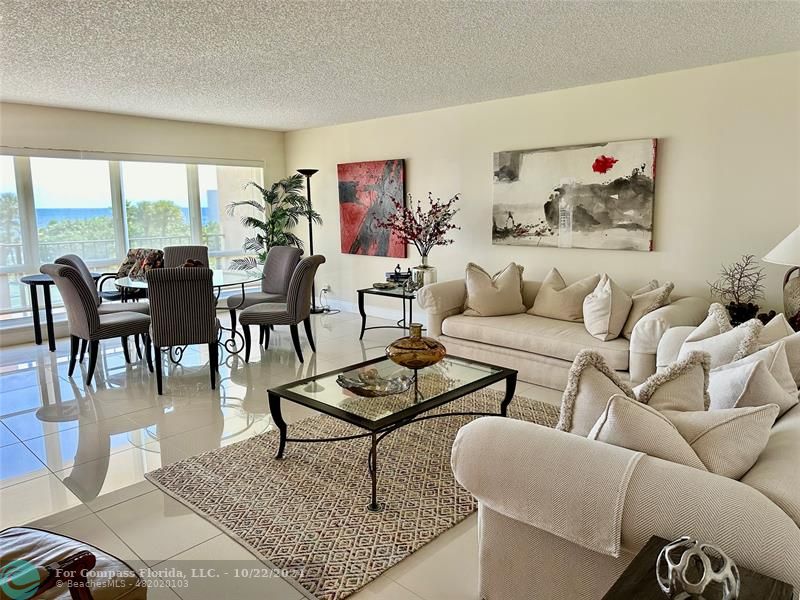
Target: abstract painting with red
(367,193)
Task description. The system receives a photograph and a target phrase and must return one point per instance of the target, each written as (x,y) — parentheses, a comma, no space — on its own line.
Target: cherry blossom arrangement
(424,228)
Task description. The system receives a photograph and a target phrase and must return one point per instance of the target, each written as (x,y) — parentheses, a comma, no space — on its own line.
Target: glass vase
(423,274)
(415,352)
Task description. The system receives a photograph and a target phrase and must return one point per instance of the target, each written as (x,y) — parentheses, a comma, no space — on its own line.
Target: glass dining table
(221,279)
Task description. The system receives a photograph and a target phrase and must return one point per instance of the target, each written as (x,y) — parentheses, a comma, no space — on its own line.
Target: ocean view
(50,215)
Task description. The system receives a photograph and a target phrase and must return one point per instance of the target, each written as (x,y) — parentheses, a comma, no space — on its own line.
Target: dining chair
(296,309)
(278,268)
(85,320)
(104,308)
(176,256)
(183,313)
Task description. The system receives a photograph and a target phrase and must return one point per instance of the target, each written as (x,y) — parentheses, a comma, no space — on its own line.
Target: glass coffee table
(429,388)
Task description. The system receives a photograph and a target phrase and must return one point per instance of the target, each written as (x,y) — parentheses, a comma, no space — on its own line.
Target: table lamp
(787,253)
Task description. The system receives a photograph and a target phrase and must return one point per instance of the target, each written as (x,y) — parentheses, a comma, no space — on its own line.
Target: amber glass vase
(415,352)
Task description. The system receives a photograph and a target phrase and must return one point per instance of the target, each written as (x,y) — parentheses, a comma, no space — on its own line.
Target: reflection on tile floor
(73,457)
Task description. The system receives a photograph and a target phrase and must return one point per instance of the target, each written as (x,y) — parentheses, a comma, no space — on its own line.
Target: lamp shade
(787,252)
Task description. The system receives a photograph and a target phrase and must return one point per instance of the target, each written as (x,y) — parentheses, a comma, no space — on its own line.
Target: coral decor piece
(589,196)
(368,194)
(741,285)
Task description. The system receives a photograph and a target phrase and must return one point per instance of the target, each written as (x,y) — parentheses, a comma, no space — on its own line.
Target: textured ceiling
(291,64)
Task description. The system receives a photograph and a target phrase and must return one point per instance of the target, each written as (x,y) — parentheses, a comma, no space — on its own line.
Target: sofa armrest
(670,345)
(442,300)
(509,466)
(684,311)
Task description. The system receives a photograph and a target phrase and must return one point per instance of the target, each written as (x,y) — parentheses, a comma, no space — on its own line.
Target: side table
(639,580)
(401,293)
(45,281)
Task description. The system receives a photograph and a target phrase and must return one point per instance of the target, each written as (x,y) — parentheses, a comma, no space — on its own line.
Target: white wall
(39,127)
(727,183)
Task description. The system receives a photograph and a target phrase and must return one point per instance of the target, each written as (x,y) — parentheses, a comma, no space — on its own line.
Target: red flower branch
(424,229)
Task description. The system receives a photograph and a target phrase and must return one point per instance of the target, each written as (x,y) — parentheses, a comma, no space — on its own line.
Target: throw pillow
(134,256)
(152,259)
(776,329)
(728,346)
(792,343)
(727,441)
(556,300)
(717,321)
(747,383)
(492,296)
(636,426)
(681,386)
(645,300)
(777,363)
(606,309)
(590,383)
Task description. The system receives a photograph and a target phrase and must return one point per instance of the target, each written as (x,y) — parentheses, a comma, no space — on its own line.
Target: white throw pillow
(493,295)
(777,363)
(727,441)
(776,329)
(606,309)
(630,424)
(728,346)
(590,383)
(556,300)
(645,300)
(681,386)
(747,383)
(717,321)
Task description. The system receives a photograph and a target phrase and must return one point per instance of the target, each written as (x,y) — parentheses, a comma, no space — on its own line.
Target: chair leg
(125,350)
(94,350)
(138,349)
(157,357)
(260,335)
(296,341)
(84,345)
(213,355)
(266,337)
(309,335)
(73,353)
(233,322)
(246,332)
(147,353)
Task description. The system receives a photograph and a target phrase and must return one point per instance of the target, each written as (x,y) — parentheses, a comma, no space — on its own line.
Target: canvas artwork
(367,192)
(588,196)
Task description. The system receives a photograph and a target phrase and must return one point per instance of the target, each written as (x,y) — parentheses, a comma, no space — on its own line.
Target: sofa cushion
(776,474)
(747,384)
(493,295)
(606,309)
(681,386)
(558,300)
(776,329)
(539,335)
(727,346)
(645,300)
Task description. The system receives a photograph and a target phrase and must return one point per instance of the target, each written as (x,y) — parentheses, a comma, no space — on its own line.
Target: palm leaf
(245,263)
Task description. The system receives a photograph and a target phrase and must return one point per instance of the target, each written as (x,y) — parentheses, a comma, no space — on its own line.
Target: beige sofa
(542,349)
(545,496)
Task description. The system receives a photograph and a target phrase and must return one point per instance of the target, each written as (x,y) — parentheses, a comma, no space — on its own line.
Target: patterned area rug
(307,513)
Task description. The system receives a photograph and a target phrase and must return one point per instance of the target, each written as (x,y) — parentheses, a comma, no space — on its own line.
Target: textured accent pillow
(681,386)
(747,383)
(630,424)
(557,300)
(728,441)
(606,309)
(776,329)
(645,300)
(728,346)
(493,295)
(717,321)
(590,383)
(792,343)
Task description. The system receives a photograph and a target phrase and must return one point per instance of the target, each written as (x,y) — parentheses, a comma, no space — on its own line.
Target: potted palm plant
(281,207)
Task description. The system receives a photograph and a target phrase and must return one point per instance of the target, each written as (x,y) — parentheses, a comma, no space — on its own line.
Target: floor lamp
(307,173)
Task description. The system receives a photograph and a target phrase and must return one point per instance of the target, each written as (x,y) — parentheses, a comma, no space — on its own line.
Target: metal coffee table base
(378,435)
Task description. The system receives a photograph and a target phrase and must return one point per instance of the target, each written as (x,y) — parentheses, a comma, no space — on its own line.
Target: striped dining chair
(183,312)
(176,256)
(296,309)
(85,320)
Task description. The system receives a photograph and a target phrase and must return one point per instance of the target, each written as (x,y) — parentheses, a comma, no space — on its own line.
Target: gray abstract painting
(589,196)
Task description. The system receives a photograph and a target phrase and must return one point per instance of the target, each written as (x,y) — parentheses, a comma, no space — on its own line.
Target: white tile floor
(73,458)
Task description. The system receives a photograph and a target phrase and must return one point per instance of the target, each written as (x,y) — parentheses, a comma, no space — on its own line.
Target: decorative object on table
(307,173)
(787,253)
(414,351)
(368,194)
(190,262)
(280,209)
(739,286)
(588,196)
(384,285)
(370,384)
(398,276)
(424,228)
(686,567)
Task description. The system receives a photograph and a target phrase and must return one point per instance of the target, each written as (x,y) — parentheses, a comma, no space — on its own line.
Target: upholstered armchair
(183,312)
(296,309)
(176,256)
(85,320)
(278,269)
